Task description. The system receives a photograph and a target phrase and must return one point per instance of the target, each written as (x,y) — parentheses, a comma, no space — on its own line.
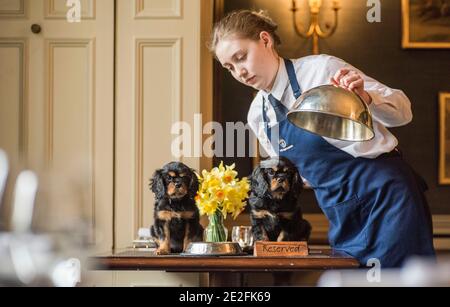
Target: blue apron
(376,208)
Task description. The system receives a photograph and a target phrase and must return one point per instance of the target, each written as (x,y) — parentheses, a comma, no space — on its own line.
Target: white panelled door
(158,83)
(57,102)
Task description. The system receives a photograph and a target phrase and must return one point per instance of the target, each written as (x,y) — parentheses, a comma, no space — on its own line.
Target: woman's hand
(352,81)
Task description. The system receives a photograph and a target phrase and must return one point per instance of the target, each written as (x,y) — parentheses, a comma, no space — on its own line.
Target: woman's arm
(389,107)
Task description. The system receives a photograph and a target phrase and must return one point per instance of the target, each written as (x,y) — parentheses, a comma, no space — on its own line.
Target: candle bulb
(336,4)
(314,6)
(315,3)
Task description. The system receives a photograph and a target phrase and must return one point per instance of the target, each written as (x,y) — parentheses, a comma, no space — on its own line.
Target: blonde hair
(245,24)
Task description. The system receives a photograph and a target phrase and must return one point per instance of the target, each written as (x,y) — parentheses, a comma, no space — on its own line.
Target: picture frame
(444,138)
(426,24)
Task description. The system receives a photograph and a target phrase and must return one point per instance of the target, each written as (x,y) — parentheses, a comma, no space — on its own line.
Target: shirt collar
(281,81)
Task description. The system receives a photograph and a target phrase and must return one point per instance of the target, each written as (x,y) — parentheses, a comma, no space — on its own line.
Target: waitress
(372,198)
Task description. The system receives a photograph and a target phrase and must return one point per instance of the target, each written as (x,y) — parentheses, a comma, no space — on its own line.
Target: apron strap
(280,110)
(293,78)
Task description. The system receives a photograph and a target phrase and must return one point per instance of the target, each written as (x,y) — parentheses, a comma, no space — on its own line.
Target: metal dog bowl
(213,249)
(333,112)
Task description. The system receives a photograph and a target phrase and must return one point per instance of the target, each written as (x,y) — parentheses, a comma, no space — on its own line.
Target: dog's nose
(177,185)
(280,179)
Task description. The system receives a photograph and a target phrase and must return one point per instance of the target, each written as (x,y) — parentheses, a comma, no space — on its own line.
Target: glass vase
(216,230)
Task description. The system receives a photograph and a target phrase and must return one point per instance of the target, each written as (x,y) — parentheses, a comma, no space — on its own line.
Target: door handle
(36,29)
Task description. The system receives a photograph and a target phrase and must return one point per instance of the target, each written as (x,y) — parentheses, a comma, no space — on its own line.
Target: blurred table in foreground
(223,271)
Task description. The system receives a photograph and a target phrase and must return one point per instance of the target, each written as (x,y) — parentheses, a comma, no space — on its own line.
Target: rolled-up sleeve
(390,107)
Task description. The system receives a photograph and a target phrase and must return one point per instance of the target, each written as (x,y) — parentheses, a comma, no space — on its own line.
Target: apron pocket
(348,221)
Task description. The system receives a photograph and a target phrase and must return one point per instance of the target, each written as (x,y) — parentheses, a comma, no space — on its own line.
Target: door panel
(158,69)
(13,93)
(57,9)
(57,107)
(164,9)
(12,8)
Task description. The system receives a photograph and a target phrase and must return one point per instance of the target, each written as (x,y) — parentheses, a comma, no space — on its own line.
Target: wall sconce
(314,29)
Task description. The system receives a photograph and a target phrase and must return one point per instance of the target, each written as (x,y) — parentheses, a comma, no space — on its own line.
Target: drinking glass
(243,235)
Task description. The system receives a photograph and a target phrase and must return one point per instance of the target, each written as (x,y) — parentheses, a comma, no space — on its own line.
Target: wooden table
(224,271)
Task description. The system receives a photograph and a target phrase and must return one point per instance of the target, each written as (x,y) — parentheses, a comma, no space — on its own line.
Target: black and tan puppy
(176,215)
(274,200)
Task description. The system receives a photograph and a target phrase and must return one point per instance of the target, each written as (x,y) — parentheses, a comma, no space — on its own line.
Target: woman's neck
(270,87)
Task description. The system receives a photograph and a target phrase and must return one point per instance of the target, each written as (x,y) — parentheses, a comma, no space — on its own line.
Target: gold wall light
(315,29)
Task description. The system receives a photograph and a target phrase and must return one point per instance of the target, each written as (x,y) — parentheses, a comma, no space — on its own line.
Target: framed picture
(444,148)
(426,23)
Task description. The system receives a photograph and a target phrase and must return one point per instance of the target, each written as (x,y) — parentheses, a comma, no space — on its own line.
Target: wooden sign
(283,249)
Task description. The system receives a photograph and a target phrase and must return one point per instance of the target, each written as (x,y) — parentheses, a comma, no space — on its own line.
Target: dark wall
(375,48)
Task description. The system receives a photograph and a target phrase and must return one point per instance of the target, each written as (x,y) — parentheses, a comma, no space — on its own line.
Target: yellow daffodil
(221,191)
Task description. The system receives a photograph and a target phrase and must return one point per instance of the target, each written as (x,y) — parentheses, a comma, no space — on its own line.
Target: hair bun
(246,24)
(264,15)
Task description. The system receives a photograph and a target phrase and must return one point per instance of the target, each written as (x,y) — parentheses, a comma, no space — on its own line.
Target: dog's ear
(258,182)
(157,184)
(193,187)
(297,184)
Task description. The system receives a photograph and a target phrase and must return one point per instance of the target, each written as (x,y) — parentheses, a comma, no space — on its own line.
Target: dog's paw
(185,246)
(262,238)
(282,237)
(162,251)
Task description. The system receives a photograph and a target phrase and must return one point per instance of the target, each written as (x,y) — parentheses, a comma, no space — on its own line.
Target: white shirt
(389,107)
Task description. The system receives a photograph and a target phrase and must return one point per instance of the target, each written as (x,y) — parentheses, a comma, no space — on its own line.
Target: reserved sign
(285,249)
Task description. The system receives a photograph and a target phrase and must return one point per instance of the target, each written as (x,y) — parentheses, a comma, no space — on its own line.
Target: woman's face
(253,63)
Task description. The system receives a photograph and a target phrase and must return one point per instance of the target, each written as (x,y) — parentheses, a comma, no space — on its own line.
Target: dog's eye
(169,178)
(271,172)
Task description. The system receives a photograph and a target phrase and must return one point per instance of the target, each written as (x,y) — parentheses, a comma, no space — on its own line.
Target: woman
(372,198)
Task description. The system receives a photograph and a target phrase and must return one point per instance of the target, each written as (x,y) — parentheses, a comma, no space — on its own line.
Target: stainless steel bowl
(213,249)
(333,112)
